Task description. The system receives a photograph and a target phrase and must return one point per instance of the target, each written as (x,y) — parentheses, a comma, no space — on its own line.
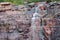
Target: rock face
(15,24)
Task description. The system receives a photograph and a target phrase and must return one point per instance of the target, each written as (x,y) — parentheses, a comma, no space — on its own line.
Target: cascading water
(34,27)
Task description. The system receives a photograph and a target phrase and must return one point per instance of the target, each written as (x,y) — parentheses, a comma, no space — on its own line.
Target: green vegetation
(17,2)
(1,0)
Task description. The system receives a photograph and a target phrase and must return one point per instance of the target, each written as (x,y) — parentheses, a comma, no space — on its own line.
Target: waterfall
(33,25)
